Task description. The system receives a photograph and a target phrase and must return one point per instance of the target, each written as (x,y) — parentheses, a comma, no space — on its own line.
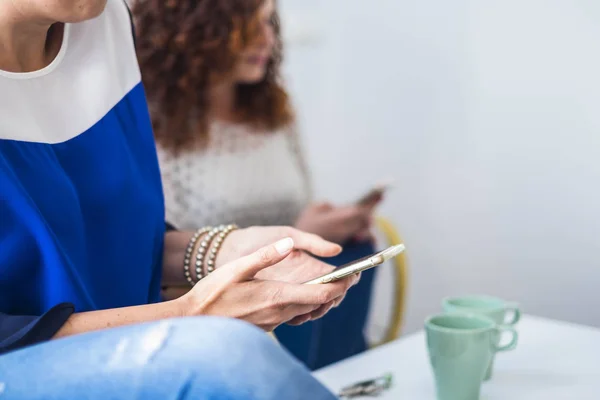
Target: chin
(252,77)
(83,10)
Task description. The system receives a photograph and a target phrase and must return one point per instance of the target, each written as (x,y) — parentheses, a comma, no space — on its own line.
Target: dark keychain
(371,388)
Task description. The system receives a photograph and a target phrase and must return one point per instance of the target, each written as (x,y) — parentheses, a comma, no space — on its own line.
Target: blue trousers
(194,358)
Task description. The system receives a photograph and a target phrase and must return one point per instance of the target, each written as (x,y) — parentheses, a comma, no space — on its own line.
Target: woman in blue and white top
(83,245)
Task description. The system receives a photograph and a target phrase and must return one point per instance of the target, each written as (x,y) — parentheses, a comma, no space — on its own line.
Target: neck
(222,101)
(26,44)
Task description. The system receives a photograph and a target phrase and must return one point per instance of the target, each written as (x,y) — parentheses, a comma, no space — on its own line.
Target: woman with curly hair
(225,129)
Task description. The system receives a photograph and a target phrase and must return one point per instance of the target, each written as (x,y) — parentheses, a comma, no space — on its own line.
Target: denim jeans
(192,358)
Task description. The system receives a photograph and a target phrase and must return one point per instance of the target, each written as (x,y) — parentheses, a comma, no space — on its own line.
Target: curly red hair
(183,46)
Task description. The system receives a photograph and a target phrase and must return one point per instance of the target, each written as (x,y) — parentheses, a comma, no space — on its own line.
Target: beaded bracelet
(212,256)
(220,232)
(203,248)
(188,253)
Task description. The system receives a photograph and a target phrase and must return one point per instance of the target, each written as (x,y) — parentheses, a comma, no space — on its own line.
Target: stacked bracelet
(217,235)
(212,256)
(188,253)
(200,255)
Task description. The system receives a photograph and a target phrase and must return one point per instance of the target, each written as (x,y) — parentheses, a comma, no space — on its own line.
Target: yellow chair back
(400,282)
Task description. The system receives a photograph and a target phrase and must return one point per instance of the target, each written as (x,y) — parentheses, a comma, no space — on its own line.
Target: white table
(554,360)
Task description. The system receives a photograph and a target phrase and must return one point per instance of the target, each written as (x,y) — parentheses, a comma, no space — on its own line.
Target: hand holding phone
(359,265)
(336,224)
(375,195)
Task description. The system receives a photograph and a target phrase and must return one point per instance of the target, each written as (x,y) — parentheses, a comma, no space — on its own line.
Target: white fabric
(241,177)
(75,80)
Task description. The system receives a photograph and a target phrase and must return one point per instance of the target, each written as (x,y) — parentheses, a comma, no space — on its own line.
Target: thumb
(246,267)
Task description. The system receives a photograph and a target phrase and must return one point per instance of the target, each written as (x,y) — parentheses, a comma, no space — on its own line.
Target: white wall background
(487,115)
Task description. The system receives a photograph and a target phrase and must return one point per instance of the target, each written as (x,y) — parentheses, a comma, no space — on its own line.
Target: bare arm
(174,248)
(114,317)
(173,254)
(234,291)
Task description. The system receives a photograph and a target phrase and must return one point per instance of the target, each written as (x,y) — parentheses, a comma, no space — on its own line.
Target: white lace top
(240,177)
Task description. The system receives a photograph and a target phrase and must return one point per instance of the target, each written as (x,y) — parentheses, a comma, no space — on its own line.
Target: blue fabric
(195,358)
(83,221)
(23,330)
(340,334)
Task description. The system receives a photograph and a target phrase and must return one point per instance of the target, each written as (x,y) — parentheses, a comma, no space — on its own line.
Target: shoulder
(292,132)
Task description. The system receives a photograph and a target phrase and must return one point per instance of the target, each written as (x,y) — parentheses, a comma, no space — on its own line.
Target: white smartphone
(359,265)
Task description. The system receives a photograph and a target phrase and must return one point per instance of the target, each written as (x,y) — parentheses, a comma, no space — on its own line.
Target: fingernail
(284,245)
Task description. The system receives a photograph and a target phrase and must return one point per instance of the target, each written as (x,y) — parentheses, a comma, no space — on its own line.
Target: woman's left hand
(337,224)
(298,267)
(243,242)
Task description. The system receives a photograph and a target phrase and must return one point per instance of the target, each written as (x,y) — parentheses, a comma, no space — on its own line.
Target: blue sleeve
(18,331)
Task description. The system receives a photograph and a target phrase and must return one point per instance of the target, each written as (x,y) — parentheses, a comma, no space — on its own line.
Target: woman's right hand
(233,290)
(336,224)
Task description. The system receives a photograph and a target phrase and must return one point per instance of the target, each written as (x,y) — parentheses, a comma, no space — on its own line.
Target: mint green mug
(502,312)
(461,347)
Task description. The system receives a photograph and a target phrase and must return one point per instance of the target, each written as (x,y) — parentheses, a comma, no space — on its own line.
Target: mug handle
(516,314)
(513,341)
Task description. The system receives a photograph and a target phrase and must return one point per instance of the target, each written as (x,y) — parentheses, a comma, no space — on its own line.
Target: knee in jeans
(200,333)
